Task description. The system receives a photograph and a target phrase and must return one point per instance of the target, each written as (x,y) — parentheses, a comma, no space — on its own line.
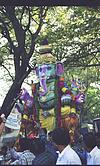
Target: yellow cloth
(25,117)
(49,122)
(66,110)
(46,58)
(73,110)
(64,89)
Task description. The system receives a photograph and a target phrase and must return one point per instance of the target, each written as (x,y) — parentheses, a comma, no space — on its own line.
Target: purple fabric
(42,75)
(59,69)
(80,98)
(61,84)
(25,96)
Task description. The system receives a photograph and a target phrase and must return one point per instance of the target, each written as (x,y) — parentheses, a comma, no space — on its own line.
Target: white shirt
(25,158)
(93,158)
(68,156)
(15,154)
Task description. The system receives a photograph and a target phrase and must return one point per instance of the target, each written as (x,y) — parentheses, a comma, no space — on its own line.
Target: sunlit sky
(4,86)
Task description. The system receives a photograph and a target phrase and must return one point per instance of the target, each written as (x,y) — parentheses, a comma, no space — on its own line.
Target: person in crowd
(15,154)
(5,154)
(97,137)
(26,157)
(93,155)
(37,146)
(43,156)
(48,143)
(66,155)
(79,149)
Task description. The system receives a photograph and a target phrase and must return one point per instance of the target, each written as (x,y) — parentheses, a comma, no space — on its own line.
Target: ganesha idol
(56,99)
(54,103)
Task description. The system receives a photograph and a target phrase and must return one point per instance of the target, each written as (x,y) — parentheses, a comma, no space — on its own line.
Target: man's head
(25,144)
(37,146)
(61,138)
(89,141)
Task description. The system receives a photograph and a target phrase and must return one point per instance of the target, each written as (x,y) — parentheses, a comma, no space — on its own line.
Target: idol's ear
(59,69)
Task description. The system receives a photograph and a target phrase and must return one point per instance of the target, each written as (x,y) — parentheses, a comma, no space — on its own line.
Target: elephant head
(48,71)
(47,66)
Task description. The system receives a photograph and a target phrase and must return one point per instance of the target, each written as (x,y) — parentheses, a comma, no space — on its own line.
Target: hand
(2,123)
(3,118)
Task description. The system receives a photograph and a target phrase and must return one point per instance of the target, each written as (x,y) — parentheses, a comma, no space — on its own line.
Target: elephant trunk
(43,86)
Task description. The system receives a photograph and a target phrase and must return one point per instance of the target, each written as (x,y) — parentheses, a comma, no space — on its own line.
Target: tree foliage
(15,23)
(74,33)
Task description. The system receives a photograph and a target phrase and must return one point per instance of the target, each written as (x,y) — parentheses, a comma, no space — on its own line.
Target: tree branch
(8,72)
(34,36)
(22,14)
(41,16)
(24,76)
(6,34)
(29,21)
(19,32)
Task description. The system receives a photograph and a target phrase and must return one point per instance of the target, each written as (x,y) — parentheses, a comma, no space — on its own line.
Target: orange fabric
(70,122)
(61,79)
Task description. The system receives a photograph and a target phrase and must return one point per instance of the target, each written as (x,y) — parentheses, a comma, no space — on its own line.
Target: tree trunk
(10,98)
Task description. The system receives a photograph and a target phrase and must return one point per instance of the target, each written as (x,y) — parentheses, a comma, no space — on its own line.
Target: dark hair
(37,146)
(61,136)
(97,134)
(25,143)
(89,140)
(4,147)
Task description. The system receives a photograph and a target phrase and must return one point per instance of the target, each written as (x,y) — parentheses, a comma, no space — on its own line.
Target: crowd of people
(51,148)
